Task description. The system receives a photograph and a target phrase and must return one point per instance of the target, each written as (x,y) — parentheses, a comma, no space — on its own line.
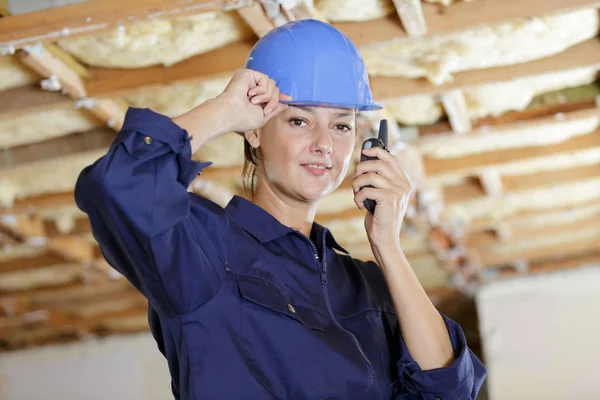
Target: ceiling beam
(487,256)
(460,16)
(254,15)
(585,54)
(474,188)
(473,163)
(482,224)
(30,99)
(96,16)
(223,62)
(411,15)
(63,146)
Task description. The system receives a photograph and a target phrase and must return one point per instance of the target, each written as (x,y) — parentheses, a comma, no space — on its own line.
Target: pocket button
(291,308)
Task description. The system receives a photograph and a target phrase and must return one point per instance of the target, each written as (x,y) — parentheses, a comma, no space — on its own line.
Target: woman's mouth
(317,169)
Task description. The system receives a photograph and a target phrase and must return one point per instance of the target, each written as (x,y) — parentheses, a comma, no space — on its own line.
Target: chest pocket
(268,295)
(291,349)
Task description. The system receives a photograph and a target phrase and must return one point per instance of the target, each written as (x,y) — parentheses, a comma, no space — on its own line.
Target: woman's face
(306,151)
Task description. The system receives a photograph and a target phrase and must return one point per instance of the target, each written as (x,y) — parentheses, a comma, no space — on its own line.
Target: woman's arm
(434,360)
(148,226)
(421,325)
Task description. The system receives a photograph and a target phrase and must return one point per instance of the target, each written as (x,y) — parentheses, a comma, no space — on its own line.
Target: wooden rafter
(224,61)
(411,15)
(30,99)
(55,148)
(254,15)
(473,163)
(95,16)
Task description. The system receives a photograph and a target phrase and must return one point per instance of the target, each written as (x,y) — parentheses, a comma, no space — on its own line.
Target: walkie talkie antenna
(383,132)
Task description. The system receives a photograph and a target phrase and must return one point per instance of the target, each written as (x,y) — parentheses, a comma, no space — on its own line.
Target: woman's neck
(290,212)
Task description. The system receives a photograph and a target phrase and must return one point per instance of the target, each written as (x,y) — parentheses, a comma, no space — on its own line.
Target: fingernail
(254,100)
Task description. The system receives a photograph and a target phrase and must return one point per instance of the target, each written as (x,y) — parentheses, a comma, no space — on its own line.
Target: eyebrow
(312,110)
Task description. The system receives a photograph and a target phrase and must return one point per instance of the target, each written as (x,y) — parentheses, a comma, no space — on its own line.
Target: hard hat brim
(358,107)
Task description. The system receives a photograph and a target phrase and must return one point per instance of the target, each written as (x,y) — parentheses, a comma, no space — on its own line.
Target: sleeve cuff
(159,127)
(456,381)
(147,134)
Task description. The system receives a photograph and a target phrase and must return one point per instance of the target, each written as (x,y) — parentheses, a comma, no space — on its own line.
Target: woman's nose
(323,141)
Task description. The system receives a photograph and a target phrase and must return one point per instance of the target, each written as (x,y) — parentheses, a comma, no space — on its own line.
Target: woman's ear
(253,138)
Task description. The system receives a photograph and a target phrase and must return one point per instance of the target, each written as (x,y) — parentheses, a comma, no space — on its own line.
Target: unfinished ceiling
(496,117)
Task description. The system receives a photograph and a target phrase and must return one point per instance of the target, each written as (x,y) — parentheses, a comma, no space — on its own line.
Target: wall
(124,367)
(541,336)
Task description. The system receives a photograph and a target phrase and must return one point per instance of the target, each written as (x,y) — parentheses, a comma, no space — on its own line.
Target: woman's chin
(315,193)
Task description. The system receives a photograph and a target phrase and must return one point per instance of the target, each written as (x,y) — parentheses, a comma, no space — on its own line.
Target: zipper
(323,271)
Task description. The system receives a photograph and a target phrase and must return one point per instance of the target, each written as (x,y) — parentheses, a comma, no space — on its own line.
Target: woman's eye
(343,127)
(297,122)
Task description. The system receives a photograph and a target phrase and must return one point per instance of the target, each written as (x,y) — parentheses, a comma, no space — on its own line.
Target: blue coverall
(242,306)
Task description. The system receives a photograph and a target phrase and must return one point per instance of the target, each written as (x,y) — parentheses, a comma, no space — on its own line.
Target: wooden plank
(515,183)
(456,108)
(217,63)
(411,15)
(36,261)
(225,60)
(96,16)
(461,16)
(481,224)
(585,54)
(254,15)
(47,65)
(30,99)
(471,163)
(38,203)
(539,254)
(305,9)
(534,115)
(100,138)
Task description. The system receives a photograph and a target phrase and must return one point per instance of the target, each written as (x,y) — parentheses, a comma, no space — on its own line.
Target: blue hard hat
(314,63)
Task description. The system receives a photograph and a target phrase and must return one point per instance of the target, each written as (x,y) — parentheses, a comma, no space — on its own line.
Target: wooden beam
(488,256)
(461,16)
(534,115)
(38,203)
(516,183)
(585,54)
(411,15)
(224,61)
(482,224)
(481,240)
(30,99)
(254,15)
(100,138)
(51,67)
(473,163)
(74,292)
(456,108)
(207,66)
(48,66)
(306,10)
(96,16)
(41,259)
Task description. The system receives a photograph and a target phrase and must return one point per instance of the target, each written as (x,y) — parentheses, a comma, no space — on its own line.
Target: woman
(252,301)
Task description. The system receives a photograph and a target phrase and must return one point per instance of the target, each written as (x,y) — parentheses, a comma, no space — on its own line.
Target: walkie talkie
(380,141)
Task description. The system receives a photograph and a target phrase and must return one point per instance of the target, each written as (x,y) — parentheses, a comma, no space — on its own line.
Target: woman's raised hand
(252,98)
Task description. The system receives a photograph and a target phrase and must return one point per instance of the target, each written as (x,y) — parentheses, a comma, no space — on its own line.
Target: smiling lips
(318,169)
